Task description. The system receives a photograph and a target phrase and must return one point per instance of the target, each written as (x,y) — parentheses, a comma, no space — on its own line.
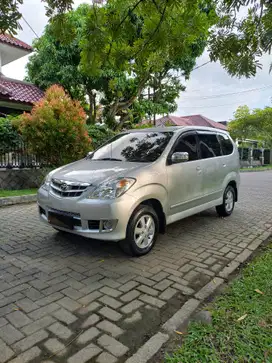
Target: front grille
(94,225)
(63,221)
(65,213)
(66,189)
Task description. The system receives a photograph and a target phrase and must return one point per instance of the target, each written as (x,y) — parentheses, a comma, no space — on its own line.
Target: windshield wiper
(109,159)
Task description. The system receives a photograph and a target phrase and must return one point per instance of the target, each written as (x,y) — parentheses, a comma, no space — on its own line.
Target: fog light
(108,225)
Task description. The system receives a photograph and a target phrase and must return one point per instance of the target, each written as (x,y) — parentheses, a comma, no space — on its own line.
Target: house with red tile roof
(192,120)
(15,96)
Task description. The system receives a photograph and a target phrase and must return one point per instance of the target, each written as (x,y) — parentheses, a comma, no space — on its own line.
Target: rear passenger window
(187,144)
(226,144)
(209,146)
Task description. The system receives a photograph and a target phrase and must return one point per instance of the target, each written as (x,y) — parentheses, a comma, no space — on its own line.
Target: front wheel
(226,209)
(142,231)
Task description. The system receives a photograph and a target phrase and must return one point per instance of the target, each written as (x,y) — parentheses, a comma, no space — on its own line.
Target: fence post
(262,156)
(251,156)
(17,155)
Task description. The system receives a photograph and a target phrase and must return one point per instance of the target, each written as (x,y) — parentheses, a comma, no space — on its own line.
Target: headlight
(112,189)
(46,182)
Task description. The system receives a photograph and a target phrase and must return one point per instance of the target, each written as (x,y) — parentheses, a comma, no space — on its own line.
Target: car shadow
(108,249)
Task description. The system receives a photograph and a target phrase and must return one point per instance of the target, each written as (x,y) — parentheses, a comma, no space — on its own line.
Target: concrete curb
(254,171)
(209,289)
(181,315)
(149,349)
(18,200)
(155,343)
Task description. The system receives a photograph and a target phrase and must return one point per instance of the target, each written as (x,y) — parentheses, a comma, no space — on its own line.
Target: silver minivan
(140,181)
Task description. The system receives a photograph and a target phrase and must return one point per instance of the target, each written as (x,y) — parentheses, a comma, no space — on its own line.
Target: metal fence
(254,157)
(18,156)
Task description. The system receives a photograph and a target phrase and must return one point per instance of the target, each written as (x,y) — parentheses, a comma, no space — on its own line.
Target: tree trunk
(112,113)
(118,106)
(91,96)
(94,108)
(122,121)
(157,85)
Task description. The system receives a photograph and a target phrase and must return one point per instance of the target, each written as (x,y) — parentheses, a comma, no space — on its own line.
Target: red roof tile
(194,120)
(4,90)
(19,91)
(200,120)
(8,39)
(174,120)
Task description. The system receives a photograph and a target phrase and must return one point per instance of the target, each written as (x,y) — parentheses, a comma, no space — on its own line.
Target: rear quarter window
(209,145)
(226,144)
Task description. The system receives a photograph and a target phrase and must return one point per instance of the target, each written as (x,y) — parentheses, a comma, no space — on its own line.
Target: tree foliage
(255,125)
(118,51)
(129,44)
(10,13)
(10,16)
(238,41)
(56,128)
(56,62)
(158,98)
(9,137)
(99,134)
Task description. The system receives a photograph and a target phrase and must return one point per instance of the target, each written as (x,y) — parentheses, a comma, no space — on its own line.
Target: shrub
(9,137)
(150,124)
(99,135)
(56,128)
(143,126)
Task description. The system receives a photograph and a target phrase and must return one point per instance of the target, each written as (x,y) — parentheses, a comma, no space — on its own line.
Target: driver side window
(187,143)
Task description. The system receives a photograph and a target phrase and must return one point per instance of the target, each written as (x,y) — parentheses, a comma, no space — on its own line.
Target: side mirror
(179,157)
(90,154)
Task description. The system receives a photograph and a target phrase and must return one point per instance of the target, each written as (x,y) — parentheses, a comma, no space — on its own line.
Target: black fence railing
(18,156)
(257,155)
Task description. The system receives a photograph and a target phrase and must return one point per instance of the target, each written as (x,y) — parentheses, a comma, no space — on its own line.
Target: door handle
(199,170)
(224,165)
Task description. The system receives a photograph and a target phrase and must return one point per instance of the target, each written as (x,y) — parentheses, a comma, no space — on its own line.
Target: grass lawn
(241,331)
(258,168)
(15,193)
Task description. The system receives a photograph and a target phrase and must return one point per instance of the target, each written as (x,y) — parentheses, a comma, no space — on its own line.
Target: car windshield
(134,147)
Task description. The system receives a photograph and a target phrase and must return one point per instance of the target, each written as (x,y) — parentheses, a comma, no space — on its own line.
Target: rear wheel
(142,231)
(226,209)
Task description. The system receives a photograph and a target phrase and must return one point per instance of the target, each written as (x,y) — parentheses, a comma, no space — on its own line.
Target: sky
(202,89)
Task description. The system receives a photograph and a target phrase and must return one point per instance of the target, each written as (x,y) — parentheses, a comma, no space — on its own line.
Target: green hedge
(9,137)
(99,134)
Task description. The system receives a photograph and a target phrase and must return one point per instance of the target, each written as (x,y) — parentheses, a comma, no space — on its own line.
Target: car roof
(177,129)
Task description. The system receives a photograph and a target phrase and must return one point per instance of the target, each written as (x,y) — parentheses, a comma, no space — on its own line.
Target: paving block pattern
(67,299)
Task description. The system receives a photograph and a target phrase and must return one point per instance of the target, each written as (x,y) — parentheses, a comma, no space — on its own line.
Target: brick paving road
(66,299)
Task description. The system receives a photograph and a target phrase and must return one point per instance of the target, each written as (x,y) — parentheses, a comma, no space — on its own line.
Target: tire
(140,238)
(226,209)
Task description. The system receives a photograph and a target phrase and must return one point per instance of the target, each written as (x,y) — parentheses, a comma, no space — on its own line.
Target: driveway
(66,299)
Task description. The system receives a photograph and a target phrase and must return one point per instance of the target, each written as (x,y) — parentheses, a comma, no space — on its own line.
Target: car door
(184,179)
(211,164)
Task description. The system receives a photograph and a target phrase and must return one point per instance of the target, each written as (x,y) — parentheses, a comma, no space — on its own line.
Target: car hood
(94,172)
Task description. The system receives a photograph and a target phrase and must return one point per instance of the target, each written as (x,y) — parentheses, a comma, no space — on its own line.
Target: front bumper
(86,210)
